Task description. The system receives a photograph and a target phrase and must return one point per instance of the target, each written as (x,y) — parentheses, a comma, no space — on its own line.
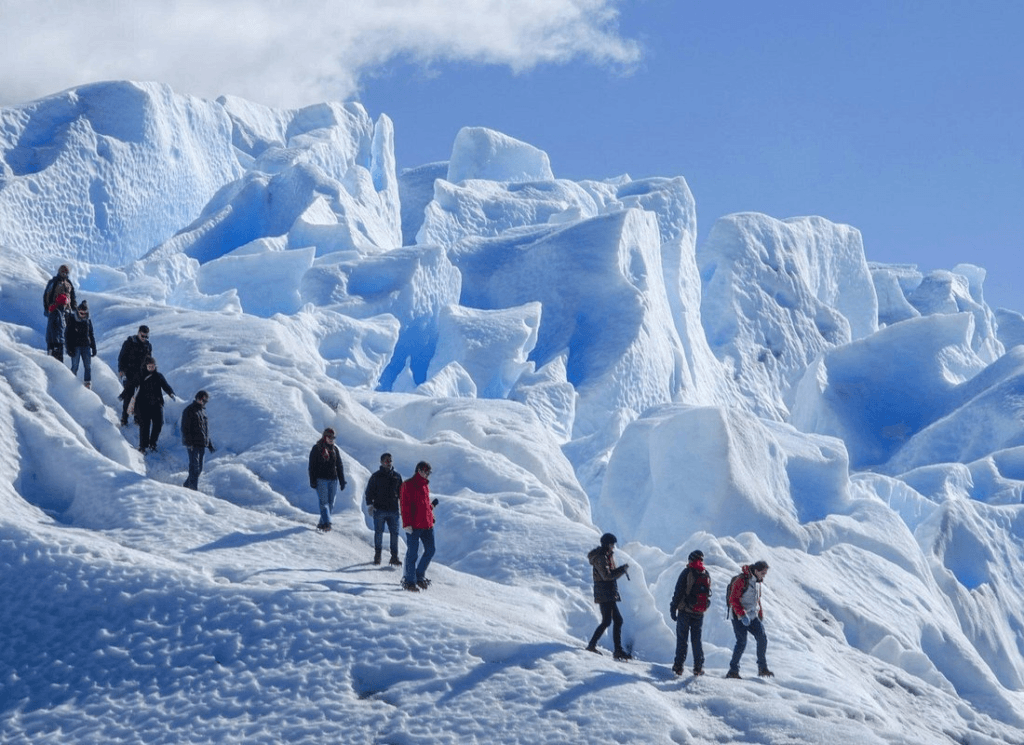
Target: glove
(211,448)
(434,503)
(408,529)
(342,485)
(674,614)
(745,619)
(370,509)
(92,352)
(312,485)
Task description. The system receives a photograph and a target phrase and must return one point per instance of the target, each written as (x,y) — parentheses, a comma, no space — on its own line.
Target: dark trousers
(195,467)
(130,384)
(689,625)
(380,519)
(610,616)
(757,629)
(150,425)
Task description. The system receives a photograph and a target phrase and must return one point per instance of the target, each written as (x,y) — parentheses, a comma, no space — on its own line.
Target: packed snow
(569,361)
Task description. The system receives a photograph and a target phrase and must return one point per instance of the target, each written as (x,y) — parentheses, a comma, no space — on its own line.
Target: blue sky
(904,119)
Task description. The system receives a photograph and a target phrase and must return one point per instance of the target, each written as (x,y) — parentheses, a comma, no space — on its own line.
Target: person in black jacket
(59,284)
(56,327)
(195,436)
(133,353)
(81,342)
(689,602)
(606,594)
(326,475)
(382,494)
(149,405)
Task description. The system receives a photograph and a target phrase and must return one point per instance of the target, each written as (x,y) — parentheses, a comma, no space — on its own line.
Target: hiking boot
(88,384)
(395,561)
(423,584)
(410,586)
(765,673)
(698,670)
(376,557)
(677,669)
(323,527)
(622,655)
(595,650)
(733,674)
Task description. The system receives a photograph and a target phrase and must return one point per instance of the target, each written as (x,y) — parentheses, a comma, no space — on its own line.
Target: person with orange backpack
(743,601)
(689,601)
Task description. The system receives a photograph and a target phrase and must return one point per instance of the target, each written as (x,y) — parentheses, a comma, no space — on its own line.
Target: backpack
(728,592)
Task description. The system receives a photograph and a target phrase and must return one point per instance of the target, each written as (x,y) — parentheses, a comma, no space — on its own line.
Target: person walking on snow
(195,436)
(326,475)
(81,342)
(383,495)
(606,594)
(689,601)
(59,284)
(56,327)
(744,609)
(130,360)
(418,521)
(149,405)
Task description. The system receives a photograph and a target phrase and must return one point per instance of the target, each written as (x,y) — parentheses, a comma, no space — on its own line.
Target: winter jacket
(148,398)
(325,463)
(693,589)
(606,588)
(383,489)
(133,353)
(195,428)
(79,334)
(58,285)
(56,327)
(417,512)
(745,595)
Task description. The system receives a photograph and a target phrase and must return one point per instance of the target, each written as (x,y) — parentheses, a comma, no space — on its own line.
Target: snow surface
(569,362)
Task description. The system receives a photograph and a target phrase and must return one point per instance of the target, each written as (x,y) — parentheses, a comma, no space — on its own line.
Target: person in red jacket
(744,608)
(418,522)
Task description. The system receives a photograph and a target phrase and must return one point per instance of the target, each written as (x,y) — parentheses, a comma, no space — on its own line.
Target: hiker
(606,594)
(418,521)
(195,436)
(149,405)
(56,327)
(81,342)
(689,601)
(59,284)
(383,494)
(134,351)
(326,475)
(743,600)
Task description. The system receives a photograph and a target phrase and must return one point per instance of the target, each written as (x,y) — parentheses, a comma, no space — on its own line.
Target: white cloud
(287,53)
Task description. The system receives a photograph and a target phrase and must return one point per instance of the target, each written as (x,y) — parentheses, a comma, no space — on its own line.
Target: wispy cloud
(288,52)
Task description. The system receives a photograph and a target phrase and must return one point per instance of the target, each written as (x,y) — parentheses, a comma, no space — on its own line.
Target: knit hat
(608,540)
(695,556)
(84,305)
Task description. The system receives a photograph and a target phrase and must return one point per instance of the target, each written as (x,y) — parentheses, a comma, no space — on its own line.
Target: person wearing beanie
(326,475)
(80,341)
(149,405)
(689,602)
(606,594)
(195,436)
(383,494)
(418,523)
(59,284)
(743,599)
(56,326)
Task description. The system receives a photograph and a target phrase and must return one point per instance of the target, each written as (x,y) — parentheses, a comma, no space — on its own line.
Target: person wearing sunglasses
(326,475)
(81,342)
(134,351)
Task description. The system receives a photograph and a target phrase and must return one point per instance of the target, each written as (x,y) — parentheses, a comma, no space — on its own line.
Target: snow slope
(569,363)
